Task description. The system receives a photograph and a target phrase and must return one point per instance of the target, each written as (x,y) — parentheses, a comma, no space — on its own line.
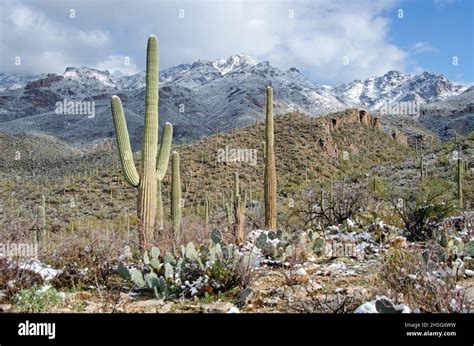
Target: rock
(165,308)
(5,307)
(366,308)
(63,311)
(400,137)
(126,254)
(92,307)
(271,301)
(245,296)
(233,310)
(382,305)
(46,272)
(300,274)
(313,286)
(458,268)
(151,305)
(469,272)
(468,262)
(3,295)
(399,241)
(217,307)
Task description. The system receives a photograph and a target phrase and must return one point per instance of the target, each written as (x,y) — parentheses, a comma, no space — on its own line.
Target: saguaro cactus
(460,178)
(239,205)
(42,210)
(175,194)
(206,215)
(270,180)
(422,167)
(159,206)
(151,170)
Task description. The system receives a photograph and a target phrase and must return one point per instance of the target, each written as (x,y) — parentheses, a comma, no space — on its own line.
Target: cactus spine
(270,170)
(151,170)
(460,178)
(175,193)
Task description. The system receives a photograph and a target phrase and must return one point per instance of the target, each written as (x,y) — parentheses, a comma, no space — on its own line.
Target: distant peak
(393,73)
(85,69)
(234,62)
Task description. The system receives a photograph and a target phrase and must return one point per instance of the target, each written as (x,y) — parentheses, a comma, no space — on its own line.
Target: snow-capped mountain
(395,86)
(10,81)
(198,98)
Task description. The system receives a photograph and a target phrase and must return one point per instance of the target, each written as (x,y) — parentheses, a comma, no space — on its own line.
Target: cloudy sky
(330,41)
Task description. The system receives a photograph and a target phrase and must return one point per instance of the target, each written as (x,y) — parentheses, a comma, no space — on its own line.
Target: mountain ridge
(205,97)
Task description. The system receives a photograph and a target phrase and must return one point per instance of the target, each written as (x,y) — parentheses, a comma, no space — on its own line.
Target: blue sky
(330,41)
(448,29)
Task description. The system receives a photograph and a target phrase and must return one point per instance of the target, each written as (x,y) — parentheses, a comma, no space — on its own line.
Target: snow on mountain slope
(10,81)
(199,98)
(395,86)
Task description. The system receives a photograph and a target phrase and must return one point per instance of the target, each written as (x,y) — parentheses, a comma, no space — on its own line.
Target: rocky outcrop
(41,98)
(353,116)
(44,82)
(400,137)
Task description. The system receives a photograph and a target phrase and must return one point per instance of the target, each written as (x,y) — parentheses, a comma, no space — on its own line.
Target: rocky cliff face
(353,116)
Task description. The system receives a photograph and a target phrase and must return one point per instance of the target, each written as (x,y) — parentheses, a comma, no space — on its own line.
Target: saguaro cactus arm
(164,153)
(123,142)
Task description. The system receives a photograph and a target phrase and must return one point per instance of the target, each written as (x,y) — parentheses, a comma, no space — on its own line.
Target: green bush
(422,206)
(36,299)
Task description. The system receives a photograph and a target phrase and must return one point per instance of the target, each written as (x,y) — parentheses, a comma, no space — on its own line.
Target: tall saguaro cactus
(175,194)
(239,205)
(206,215)
(151,169)
(270,179)
(422,167)
(42,210)
(460,178)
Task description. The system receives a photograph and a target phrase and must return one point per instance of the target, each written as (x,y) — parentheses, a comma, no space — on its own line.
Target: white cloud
(422,47)
(315,41)
(118,65)
(45,44)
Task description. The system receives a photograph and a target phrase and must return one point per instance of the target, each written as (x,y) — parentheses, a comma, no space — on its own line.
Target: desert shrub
(422,206)
(424,279)
(85,257)
(36,299)
(328,205)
